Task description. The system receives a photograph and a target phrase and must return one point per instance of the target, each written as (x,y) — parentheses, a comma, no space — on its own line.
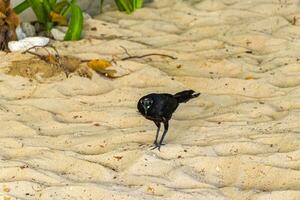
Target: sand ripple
(83,139)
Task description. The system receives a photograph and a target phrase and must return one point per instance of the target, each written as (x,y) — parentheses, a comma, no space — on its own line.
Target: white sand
(83,139)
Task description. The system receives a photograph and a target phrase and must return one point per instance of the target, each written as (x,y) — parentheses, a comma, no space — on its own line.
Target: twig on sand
(50,58)
(41,56)
(145,55)
(126,51)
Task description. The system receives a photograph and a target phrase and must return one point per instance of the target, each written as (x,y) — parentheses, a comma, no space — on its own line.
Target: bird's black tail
(185,95)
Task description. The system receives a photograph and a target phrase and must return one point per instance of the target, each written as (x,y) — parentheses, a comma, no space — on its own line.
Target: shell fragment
(24,44)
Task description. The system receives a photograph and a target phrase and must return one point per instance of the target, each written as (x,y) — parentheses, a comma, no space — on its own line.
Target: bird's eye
(147,102)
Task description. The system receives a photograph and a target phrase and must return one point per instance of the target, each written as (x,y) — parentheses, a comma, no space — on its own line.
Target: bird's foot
(156,145)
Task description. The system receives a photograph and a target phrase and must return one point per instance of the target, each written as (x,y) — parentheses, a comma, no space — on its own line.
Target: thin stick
(28,50)
(126,51)
(44,47)
(142,56)
(35,54)
(146,55)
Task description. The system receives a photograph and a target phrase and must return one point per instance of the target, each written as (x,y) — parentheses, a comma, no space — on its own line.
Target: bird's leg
(156,137)
(157,132)
(166,125)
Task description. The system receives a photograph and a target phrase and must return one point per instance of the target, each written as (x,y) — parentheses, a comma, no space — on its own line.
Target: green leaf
(68,8)
(47,6)
(52,3)
(134,3)
(49,26)
(38,9)
(60,6)
(124,6)
(101,6)
(21,7)
(75,25)
(119,5)
(139,3)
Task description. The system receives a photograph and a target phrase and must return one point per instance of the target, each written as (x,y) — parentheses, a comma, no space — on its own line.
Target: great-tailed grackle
(160,107)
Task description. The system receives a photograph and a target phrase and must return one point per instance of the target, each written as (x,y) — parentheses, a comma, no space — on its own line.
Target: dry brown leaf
(98,64)
(108,73)
(2,15)
(118,157)
(4,5)
(12,18)
(55,17)
(8,24)
(108,69)
(249,77)
(150,190)
(6,189)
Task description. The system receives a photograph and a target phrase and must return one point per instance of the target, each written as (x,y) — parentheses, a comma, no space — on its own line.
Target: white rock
(28,29)
(86,16)
(20,33)
(57,34)
(24,44)
(62,28)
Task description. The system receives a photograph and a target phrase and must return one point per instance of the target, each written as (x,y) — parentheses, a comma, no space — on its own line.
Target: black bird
(160,107)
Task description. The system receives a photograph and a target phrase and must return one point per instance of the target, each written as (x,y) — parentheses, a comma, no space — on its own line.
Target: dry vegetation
(8,23)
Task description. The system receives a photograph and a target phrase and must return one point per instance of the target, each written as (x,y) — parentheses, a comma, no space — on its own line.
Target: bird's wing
(169,106)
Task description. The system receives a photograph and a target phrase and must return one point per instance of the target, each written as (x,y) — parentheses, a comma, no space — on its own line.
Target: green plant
(51,12)
(127,6)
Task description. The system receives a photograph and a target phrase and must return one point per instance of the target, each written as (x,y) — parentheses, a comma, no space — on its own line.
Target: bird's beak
(145,109)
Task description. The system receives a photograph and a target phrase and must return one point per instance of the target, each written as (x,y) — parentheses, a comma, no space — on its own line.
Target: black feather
(186,95)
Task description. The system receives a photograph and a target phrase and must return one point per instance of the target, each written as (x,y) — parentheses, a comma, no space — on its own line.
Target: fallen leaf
(249,77)
(8,24)
(2,15)
(150,190)
(99,64)
(108,73)
(55,17)
(4,5)
(108,69)
(118,157)
(51,59)
(5,189)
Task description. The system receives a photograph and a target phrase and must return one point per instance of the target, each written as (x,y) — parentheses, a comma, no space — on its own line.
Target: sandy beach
(79,138)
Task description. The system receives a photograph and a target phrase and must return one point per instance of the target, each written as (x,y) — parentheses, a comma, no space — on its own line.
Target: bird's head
(146,103)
